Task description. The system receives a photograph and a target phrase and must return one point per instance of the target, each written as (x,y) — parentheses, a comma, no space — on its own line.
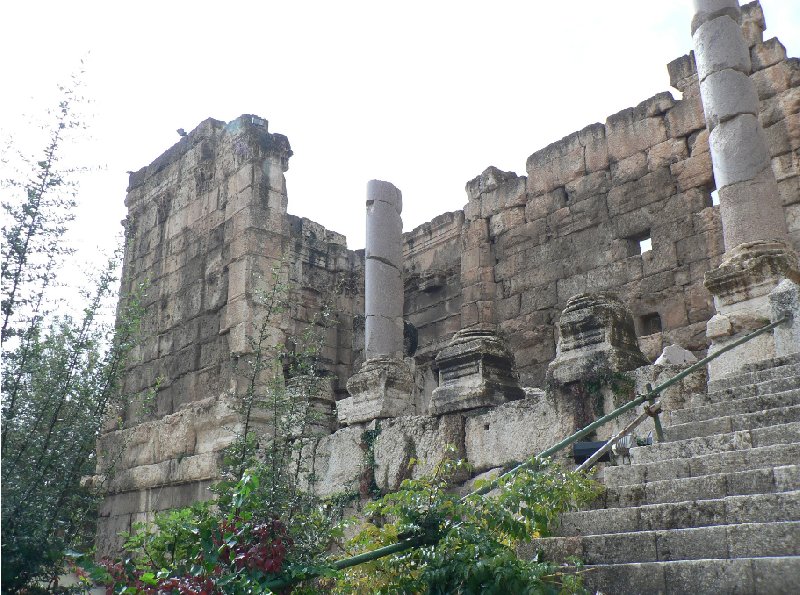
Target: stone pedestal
(475,370)
(741,287)
(596,332)
(383,387)
(597,343)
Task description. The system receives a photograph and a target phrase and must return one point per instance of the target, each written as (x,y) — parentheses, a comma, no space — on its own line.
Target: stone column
(750,204)
(384,386)
(383,297)
(757,253)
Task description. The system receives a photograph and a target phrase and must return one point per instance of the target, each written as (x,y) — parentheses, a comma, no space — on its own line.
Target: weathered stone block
(629,169)
(475,370)
(666,153)
(423,439)
(383,387)
(764,55)
(338,462)
(685,117)
(776,78)
(555,165)
(631,130)
(595,329)
(512,432)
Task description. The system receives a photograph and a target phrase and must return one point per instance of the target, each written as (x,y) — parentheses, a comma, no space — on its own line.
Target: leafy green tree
(61,370)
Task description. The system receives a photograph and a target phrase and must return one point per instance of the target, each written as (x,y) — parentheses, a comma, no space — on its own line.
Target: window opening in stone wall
(650,323)
(640,243)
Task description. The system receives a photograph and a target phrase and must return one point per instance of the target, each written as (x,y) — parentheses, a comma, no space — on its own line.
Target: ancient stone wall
(208,224)
(575,222)
(208,237)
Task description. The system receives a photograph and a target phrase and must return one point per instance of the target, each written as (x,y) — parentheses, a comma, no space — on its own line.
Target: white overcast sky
(423,94)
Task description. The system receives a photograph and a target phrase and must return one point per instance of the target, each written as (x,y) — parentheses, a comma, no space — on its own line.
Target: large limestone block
(383,387)
(338,462)
(513,432)
(764,55)
(718,45)
(421,438)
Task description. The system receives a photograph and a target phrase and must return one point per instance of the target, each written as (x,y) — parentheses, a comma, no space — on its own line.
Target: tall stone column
(384,386)
(383,297)
(757,255)
(750,204)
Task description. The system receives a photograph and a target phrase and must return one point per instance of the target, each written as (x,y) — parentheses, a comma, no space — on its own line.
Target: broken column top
(380,191)
(708,10)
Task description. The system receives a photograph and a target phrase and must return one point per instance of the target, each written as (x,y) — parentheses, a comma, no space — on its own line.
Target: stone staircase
(713,509)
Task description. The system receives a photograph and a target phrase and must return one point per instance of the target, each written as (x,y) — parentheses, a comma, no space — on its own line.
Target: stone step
(755,377)
(787,433)
(746,540)
(732,423)
(765,480)
(792,358)
(718,462)
(746,405)
(742,392)
(730,510)
(746,576)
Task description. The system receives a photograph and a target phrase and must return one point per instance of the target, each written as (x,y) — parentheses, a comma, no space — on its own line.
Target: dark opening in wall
(649,324)
(640,243)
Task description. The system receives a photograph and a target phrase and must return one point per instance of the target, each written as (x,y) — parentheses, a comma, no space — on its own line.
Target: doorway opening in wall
(639,243)
(649,324)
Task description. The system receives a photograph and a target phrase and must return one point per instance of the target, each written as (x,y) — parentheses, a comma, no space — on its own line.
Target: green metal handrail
(418,541)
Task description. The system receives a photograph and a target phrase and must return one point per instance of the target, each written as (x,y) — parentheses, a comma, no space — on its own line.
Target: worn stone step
(745,576)
(730,510)
(719,462)
(787,433)
(746,540)
(736,406)
(765,480)
(755,377)
(751,390)
(764,364)
(732,423)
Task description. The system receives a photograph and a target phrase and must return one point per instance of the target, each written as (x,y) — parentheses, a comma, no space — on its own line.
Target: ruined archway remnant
(757,253)
(384,386)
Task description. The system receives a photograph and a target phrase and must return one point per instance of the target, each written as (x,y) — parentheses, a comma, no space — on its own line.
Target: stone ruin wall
(208,222)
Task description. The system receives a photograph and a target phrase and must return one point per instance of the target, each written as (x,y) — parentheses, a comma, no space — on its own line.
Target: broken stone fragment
(675,355)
